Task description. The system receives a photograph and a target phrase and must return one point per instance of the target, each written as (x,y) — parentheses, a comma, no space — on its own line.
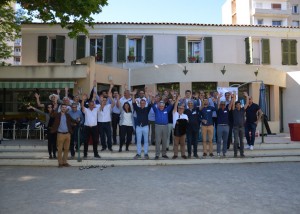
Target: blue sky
(183,11)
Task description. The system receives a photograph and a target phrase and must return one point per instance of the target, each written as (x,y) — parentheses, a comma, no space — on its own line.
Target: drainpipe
(129,79)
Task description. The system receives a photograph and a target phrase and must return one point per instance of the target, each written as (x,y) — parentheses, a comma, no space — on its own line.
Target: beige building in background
(161,56)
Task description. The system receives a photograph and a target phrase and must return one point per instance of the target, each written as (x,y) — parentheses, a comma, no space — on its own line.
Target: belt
(223,124)
(63,132)
(161,124)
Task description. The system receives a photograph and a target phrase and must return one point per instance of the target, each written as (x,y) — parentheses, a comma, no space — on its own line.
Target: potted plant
(192,59)
(131,58)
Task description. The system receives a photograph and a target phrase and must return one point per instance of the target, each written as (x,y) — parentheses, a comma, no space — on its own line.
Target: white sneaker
(251,147)
(218,155)
(247,147)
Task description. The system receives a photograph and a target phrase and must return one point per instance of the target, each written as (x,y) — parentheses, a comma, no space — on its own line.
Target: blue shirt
(161,117)
(194,118)
(63,124)
(76,114)
(223,116)
(206,114)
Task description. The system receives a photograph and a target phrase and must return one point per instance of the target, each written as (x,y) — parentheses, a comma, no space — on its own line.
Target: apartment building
(159,56)
(262,12)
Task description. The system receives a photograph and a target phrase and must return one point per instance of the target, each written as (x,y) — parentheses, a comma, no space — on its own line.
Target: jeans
(170,139)
(239,133)
(142,132)
(250,127)
(192,139)
(105,134)
(135,137)
(223,131)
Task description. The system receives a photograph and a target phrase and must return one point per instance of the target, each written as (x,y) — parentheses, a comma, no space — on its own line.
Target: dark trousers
(51,143)
(238,133)
(215,121)
(229,141)
(105,134)
(115,119)
(125,132)
(192,140)
(91,131)
(250,127)
(74,139)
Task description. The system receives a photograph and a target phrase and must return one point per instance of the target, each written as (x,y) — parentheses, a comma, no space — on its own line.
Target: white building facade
(163,56)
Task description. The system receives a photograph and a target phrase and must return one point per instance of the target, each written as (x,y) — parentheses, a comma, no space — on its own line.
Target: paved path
(217,188)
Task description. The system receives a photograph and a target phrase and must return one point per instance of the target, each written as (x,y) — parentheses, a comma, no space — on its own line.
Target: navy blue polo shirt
(206,114)
(223,116)
(142,114)
(251,113)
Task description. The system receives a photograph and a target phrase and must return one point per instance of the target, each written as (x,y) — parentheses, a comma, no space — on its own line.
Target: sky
(175,11)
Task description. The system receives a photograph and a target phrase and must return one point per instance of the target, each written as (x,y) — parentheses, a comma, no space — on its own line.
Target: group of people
(170,118)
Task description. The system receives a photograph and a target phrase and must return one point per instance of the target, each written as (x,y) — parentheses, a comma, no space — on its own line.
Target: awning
(26,85)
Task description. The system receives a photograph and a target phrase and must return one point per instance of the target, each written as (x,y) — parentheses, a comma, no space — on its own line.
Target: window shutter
(293,52)
(42,49)
(181,49)
(285,51)
(208,50)
(121,51)
(148,49)
(265,46)
(60,49)
(248,47)
(80,52)
(108,48)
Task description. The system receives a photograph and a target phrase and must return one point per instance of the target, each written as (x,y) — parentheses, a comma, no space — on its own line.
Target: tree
(73,15)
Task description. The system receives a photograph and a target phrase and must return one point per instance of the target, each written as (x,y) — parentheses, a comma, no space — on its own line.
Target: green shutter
(108,48)
(285,51)
(148,49)
(80,52)
(265,46)
(60,49)
(42,49)
(293,52)
(208,50)
(181,49)
(248,48)
(121,51)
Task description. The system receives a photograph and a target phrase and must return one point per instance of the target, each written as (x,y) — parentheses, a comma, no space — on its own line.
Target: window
(276,6)
(259,5)
(134,50)
(52,50)
(289,52)
(204,86)
(17,59)
(295,23)
(194,48)
(56,52)
(168,86)
(295,9)
(17,50)
(276,23)
(260,21)
(96,49)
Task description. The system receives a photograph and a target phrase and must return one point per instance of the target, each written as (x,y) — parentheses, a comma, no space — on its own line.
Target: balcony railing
(270,12)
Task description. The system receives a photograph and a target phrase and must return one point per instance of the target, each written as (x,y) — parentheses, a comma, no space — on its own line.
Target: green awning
(29,85)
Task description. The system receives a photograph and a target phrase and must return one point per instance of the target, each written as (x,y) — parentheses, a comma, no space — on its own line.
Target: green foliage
(73,15)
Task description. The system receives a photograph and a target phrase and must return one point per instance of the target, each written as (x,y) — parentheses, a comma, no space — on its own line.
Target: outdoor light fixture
(185,71)
(223,70)
(256,72)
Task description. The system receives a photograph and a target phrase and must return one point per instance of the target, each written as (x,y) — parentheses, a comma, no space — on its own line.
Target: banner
(223,90)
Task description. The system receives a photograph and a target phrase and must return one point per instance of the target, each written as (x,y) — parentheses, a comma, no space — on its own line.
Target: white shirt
(90,116)
(126,119)
(176,116)
(105,114)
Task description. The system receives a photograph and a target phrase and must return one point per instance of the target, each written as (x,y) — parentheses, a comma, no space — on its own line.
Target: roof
(181,24)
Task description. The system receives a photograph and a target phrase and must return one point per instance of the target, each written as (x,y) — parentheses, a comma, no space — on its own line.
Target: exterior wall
(291,101)
(226,12)
(243,12)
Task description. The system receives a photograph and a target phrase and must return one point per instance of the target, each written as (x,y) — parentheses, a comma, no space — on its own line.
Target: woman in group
(49,114)
(126,126)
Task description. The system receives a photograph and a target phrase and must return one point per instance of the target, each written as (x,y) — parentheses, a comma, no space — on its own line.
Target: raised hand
(37,96)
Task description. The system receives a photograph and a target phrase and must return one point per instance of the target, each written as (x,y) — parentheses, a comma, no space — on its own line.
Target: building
(160,56)
(262,12)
